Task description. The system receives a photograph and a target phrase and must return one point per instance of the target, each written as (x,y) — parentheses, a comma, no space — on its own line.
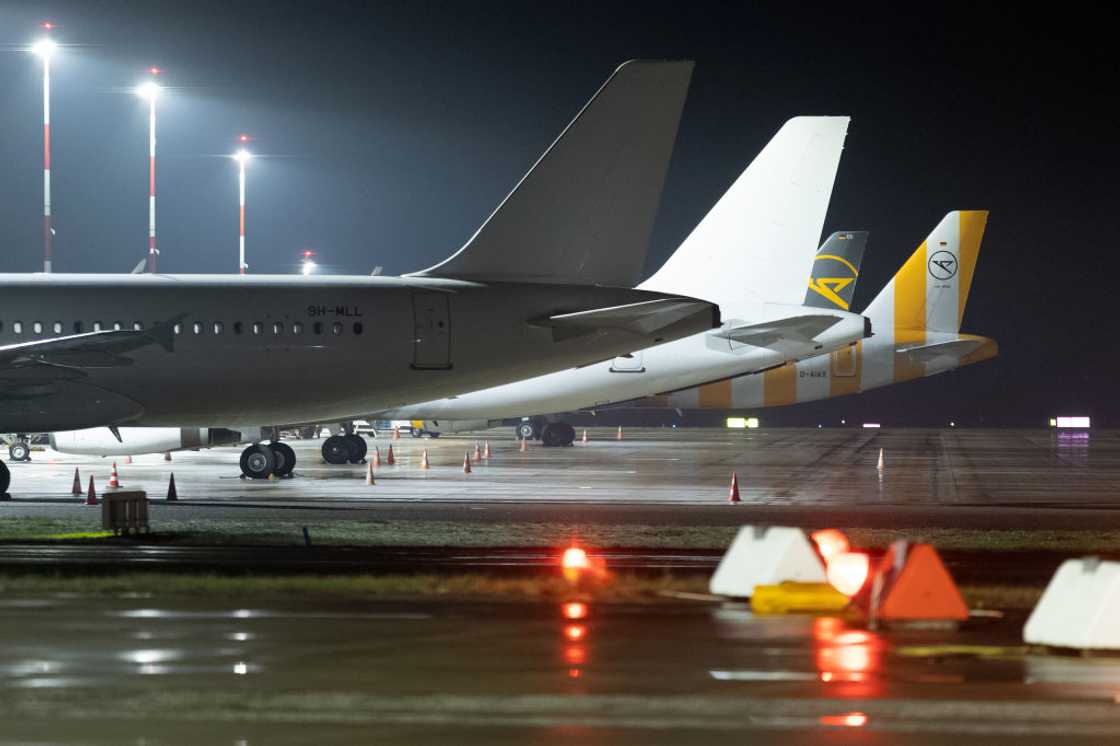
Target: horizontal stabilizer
(584,213)
(644,318)
(955,350)
(800,329)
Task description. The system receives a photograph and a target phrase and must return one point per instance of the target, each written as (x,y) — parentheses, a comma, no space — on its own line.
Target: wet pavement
(947,477)
(151,670)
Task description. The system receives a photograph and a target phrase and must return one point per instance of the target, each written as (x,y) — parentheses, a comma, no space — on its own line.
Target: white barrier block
(1080,608)
(766,555)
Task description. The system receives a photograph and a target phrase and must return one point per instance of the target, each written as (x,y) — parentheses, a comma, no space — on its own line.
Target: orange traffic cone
(733,494)
(424,459)
(376,460)
(524,445)
(486,451)
(114,480)
(389,456)
(584,439)
(128,459)
(172,493)
(91,496)
(467,462)
(880,465)
(76,490)
(477,452)
(369,474)
(619,435)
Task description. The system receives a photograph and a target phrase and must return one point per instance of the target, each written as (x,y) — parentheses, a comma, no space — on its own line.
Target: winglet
(584,212)
(832,283)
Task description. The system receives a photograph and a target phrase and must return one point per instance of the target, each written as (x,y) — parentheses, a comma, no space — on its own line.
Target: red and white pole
(242,156)
(44,48)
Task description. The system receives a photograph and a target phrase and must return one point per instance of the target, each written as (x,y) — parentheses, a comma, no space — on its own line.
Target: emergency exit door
(431,341)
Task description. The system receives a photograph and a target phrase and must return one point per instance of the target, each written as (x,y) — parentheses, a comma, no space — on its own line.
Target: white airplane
(751,254)
(916,320)
(543,285)
(753,251)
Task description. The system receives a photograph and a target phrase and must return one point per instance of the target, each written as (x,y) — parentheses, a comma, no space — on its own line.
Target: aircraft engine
(100,441)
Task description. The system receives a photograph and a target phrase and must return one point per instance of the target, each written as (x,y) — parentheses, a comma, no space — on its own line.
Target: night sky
(391,130)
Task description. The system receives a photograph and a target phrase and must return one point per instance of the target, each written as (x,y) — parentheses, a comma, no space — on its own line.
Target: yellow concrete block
(797,598)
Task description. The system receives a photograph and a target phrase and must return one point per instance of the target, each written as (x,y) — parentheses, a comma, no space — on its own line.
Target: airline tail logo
(943,265)
(830,287)
(832,278)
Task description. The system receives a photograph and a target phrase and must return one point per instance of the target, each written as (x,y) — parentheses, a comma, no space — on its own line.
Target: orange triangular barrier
(114,480)
(619,435)
(913,585)
(524,445)
(376,460)
(477,452)
(91,495)
(389,456)
(467,462)
(486,451)
(76,490)
(733,493)
(424,459)
(172,493)
(369,474)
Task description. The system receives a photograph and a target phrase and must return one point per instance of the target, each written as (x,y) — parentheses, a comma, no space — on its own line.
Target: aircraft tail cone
(376,460)
(76,490)
(114,480)
(424,459)
(369,474)
(486,451)
(477,453)
(91,495)
(880,465)
(172,493)
(467,462)
(733,493)
(524,445)
(389,456)
(618,436)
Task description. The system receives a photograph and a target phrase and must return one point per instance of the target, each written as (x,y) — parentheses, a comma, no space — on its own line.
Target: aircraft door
(431,340)
(843,362)
(631,363)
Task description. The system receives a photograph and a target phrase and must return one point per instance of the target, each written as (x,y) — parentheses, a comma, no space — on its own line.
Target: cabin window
(17,327)
(337,328)
(357,327)
(77,327)
(137,326)
(237,327)
(258,327)
(178,328)
(219,327)
(197,327)
(97,326)
(37,327)
(277,327)
(117,326)
(57,327)
(297,328)
(318,327)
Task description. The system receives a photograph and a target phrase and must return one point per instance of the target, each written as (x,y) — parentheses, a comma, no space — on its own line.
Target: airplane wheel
(285,458)
(5,479)
(258,462)
(526,431)
(20,451)
(355,448)
(335,450)
(558,434)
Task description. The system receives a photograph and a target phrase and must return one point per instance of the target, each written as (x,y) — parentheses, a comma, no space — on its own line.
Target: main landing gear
(550,434)
(5,480)
(20,449)
(264,460)
(341,449)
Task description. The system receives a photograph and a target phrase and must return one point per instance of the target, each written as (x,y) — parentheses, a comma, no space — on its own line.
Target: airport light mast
(242,157)
(44,48)
(150,91)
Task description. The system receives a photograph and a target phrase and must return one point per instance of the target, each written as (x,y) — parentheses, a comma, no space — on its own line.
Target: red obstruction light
(575,558)
(848,572)
(575,610)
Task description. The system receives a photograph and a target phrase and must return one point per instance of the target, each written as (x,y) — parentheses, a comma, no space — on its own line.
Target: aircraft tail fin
(758,241)
(832,282)
(929,292)
(585,211)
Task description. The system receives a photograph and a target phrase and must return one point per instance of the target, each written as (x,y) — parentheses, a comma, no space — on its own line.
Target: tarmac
(932,478)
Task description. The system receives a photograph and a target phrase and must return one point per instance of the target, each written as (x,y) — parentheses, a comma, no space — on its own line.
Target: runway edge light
(1079,608)
(912,586)
(766,555)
